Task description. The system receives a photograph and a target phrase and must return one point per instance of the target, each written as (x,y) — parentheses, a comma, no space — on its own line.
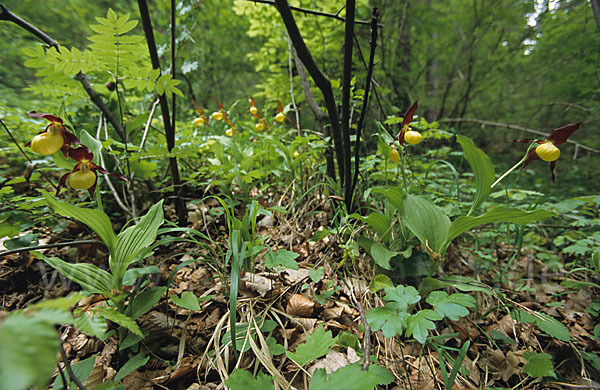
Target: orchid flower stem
(403,172)
(514,166)
(98,199)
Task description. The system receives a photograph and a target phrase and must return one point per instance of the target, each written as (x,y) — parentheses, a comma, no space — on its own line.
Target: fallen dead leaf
(299,305)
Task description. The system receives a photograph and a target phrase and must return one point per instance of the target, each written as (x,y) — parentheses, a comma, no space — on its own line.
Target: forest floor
(192,349)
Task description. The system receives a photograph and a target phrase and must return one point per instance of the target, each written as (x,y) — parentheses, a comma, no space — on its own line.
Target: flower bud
(548,152)
(253,110)
(296,154)
(229,132)
(260,126)
(394,155)
(280,117)
(412,137)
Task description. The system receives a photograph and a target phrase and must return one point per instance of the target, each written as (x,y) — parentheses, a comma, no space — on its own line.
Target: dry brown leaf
(332,313)
(257,283)
(299,305)
(499,365)
(295,276)
(331,362)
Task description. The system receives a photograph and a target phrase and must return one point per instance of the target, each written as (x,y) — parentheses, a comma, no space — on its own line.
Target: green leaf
(380,282)
(28,352)
(451,306)
(135,238)
(88,276)
(126,27)
(347,377)
(553,327)
(274,348)
(91,324)
(187,301)
(538,365)
(95,219)
(388,320)
(316,274)
(497,214)
(144,302)
(379,222)
(82,371)
(382,256)
(316,345)
(384,376)
(64,303)
(283,258)
(426,220)
(93,144)
(243,380)
(482,168)
(401,297)
(419,324)
(394,195)
(120,319)
(132,274)
(132,364)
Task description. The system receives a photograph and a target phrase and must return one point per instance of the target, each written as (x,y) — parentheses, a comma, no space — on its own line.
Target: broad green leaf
(315,346)
(135,238)
(546,323)
(132,274)
(54,316)
(59,303)
(187,301)
(553,327)
(380,282)
(243,380)
(426,220)
(93,144)
(384,376)
(130,340)
(91,324)
(112,314)
(419,324)
(451,306)
(274,348)
(402,297)
(88,276)
(283,258)
(482,168)
(82,371)
(382,256)
(394,195)
(145,301)
(347,377)
(132,364)
(538,365)
(388,320)
(379,222)
(95,219)
(315,274)
(497,214)
(28,352)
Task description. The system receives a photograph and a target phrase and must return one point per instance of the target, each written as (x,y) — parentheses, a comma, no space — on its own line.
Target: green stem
(98,199)
(514,167)
(404,186)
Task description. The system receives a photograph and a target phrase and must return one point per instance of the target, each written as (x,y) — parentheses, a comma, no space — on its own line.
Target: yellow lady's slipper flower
(547,150)
(54,138)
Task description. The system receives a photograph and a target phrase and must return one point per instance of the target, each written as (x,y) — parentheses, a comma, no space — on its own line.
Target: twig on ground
(47,246)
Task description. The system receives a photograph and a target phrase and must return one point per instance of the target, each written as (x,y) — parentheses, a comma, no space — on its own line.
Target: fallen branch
(514,127)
